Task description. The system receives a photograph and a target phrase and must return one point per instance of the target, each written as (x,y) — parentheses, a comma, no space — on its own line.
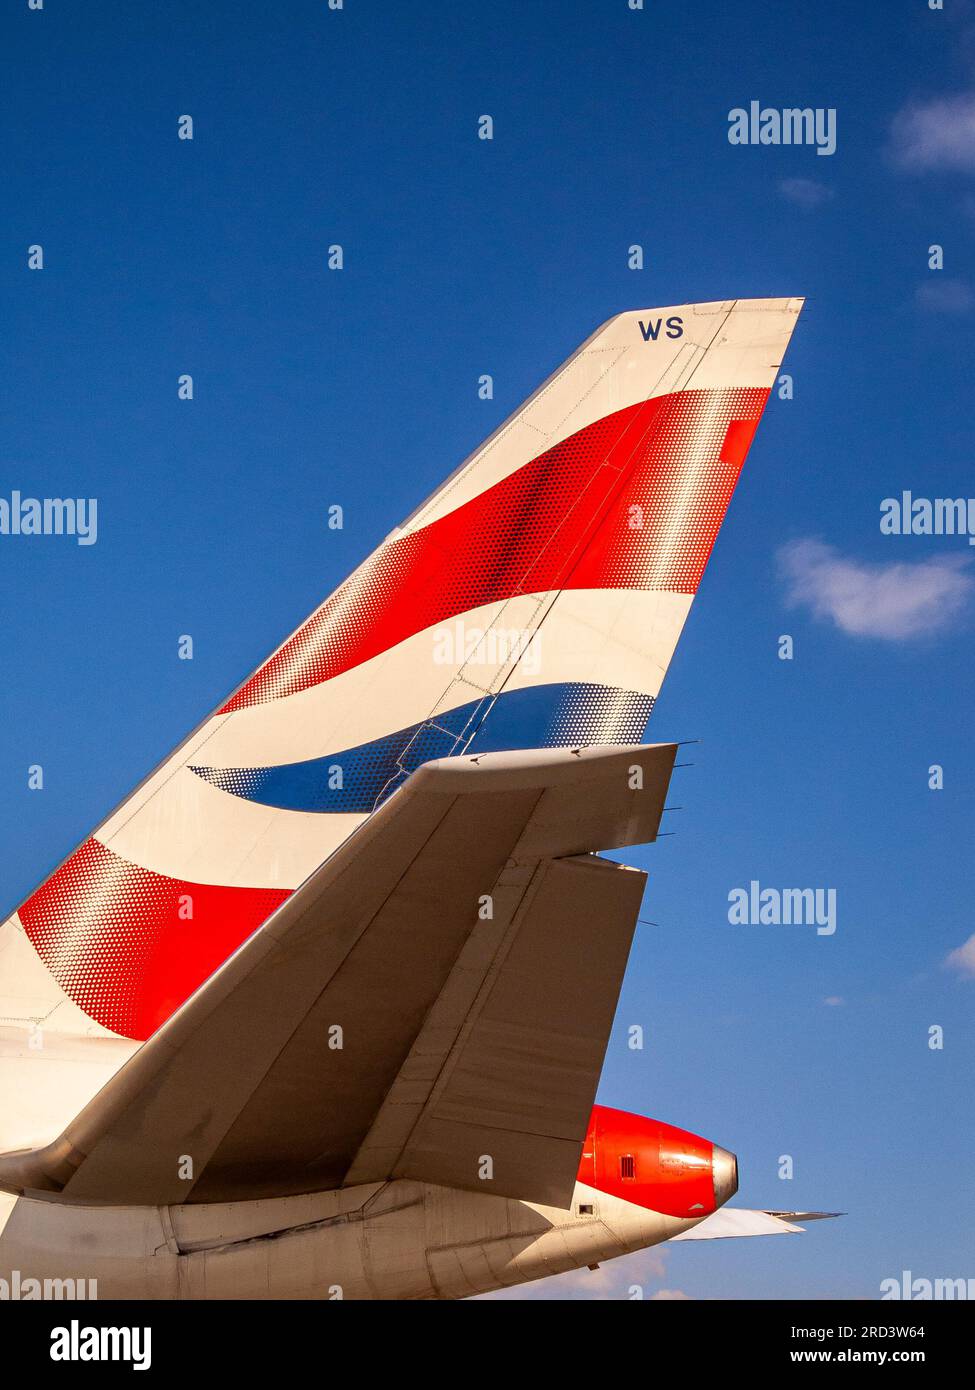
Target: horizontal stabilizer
(736,1221)
(805,1215)
(439,991)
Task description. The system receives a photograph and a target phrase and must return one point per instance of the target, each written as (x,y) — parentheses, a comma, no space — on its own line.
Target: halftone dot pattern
(592,714)
(633,501)
(545,716)
(350,780)
(681,497)
(111,934)
(563,520)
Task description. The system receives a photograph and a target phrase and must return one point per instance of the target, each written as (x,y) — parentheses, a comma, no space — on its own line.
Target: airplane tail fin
(535,599)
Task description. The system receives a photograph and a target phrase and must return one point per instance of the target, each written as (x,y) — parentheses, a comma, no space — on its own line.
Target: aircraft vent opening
(585,1209)
(627,1166)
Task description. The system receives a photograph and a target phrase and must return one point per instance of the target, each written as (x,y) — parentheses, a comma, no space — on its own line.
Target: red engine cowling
(655,1165)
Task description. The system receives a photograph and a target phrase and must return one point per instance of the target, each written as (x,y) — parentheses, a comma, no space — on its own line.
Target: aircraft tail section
(534,600)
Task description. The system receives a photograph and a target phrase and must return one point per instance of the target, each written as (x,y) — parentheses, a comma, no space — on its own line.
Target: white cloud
(890,601)
(805,193)
(668,1296)
(835,1001)
(945,296)
(962,958)
(938,134)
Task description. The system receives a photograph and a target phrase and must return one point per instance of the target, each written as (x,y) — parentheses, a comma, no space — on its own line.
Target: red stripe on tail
(119,942)
(633,501)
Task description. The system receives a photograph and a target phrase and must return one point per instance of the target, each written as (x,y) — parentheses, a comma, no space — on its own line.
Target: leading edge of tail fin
(535,599)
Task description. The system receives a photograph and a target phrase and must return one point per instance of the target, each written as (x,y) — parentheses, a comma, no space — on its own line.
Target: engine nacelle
(656,1165)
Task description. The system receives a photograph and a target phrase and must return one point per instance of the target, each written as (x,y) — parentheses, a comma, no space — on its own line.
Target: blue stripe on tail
(356,780)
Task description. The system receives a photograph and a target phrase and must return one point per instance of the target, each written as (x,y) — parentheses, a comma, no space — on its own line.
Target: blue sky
(360,388)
